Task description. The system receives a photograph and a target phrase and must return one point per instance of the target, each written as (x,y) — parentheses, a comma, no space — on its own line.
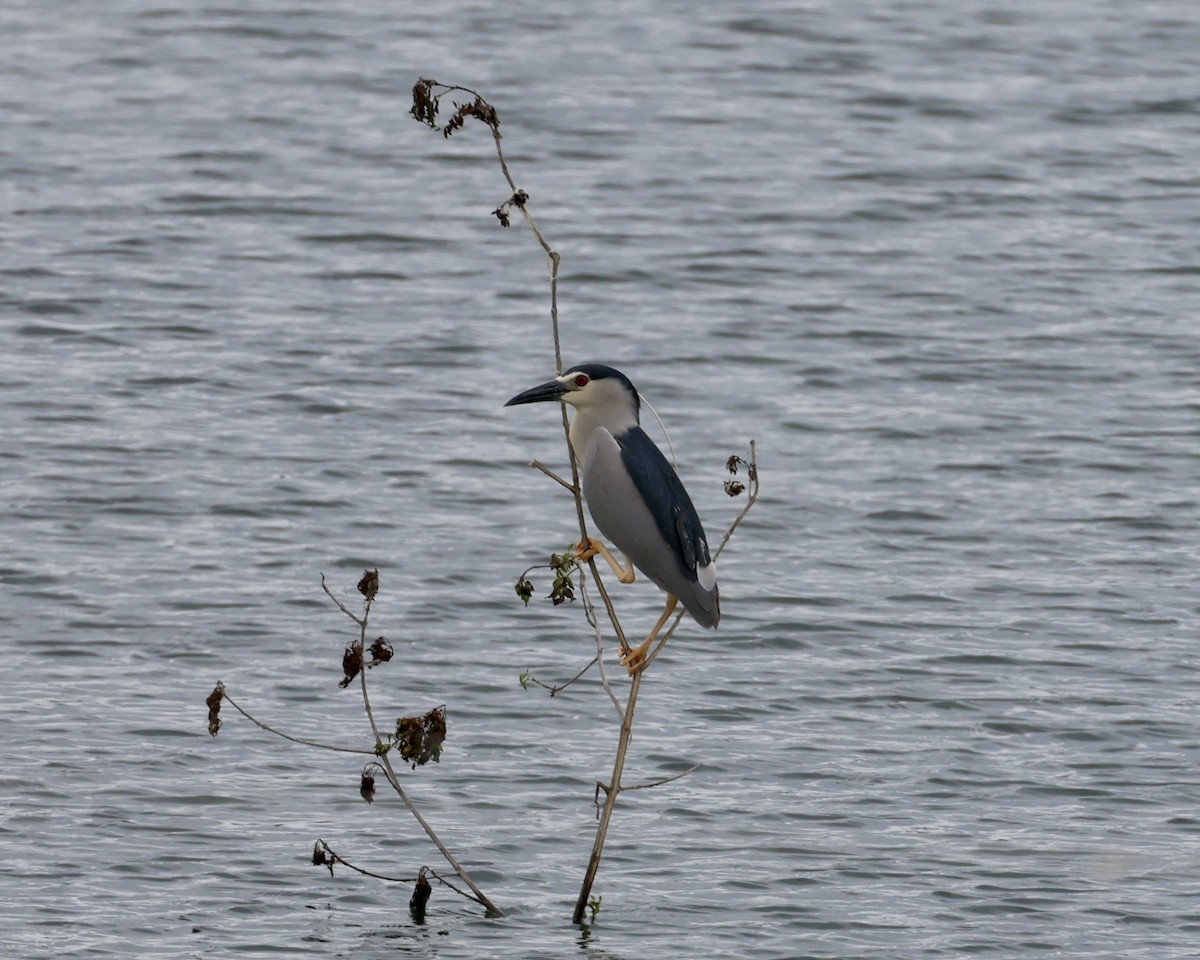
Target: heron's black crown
(602,371)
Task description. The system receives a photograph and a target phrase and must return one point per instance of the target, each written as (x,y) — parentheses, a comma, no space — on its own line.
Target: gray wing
(639,503)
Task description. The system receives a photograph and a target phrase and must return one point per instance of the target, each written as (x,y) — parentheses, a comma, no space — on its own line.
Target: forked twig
(658,783)
(538,465)
(751,499)
(381,750)
(334,857)
(556,688)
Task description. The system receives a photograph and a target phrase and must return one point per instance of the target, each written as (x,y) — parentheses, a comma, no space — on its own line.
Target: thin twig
(379,876)
(362,622)
(658,783)
(279,733)
(554,260)
(662,641)
(556,689)
(599,659)
(751,498)
(333,855)
(538,465)
(610,799)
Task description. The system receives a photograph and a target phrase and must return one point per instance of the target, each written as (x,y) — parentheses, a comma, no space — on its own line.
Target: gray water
(939,259)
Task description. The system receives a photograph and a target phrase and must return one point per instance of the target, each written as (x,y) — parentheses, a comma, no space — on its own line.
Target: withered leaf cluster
(420,896)
(563,589)
(426,103)
(420,739)
(736,487)
(366,786)
(563,566)
(352,662)
(518,200)
(381,651)
(368,586)
(524,590)
(478,108)
(322,858)
(425,106)
(214,708)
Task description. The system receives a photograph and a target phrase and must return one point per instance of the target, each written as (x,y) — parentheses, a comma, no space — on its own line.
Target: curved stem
(279,733)
(386,762)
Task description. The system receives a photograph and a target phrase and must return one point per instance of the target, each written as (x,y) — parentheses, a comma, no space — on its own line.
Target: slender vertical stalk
(610,799)
(614,787)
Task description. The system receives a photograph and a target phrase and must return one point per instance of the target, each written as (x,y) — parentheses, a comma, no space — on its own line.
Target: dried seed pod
(366,786)
(381,651)
(352,662)
(420,896)
(368,586)
(214,708)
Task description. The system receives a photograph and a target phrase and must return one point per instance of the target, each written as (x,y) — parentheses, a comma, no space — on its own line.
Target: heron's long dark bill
(552,390)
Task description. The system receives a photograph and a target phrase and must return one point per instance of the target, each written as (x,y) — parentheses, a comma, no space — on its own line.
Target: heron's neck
(616,420)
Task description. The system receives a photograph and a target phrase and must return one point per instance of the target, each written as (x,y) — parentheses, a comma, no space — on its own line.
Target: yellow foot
(586,549)
(591,547)
(634,660)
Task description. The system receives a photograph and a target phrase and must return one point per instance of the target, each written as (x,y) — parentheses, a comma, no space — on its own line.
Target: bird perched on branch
(634,495)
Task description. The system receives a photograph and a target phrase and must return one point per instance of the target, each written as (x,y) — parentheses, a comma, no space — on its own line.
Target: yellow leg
(632,661)
(585,553)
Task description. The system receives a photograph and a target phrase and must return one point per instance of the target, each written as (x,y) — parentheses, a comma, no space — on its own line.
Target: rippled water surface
(940,260)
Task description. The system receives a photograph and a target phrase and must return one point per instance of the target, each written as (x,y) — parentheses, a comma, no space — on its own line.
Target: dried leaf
(322,856)
(368,586)
(480,109)
(214,708)
(420,738)
(366,786)
(352,662)
(381,651)
(425,107)
(420,896)
(524,590)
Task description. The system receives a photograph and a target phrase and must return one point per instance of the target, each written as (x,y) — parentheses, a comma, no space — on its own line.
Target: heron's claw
(634,660)
(586,549)
(591,547)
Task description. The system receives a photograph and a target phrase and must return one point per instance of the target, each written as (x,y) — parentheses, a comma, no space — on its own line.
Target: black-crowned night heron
(634,495)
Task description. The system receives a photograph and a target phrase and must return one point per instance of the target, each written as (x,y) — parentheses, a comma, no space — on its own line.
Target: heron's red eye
(581,380)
